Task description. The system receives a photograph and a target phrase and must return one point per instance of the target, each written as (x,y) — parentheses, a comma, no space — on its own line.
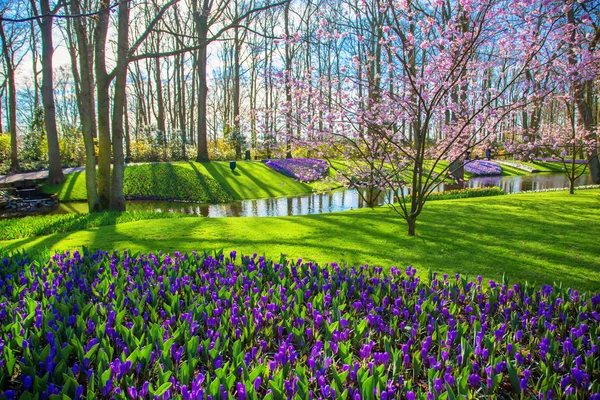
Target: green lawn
(539,237)
(250,180)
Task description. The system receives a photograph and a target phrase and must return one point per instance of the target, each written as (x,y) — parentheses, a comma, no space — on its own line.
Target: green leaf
(91,351)
(514,378)
(277,395)
(162,389)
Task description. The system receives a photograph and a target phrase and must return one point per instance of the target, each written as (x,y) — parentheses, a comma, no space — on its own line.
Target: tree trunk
(86,108)
(103,107)
(1,120)
(412,225)
(55,174)
(117,199)
(160,121)
(34,60)
(586,117)
(12,100)
(288,77)
(237,132)
(127,130)
(202,27)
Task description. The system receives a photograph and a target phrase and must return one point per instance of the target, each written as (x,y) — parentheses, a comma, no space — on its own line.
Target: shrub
(195,325)
(72,148)
(35,143)
(5,151)
(465,193)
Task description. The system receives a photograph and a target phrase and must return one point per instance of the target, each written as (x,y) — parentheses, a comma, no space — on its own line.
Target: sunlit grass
(538,237)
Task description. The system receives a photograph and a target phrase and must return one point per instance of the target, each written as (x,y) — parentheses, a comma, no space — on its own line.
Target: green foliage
(18,228)
(115,324)
(35,143)
(172,182)
(221,149)
(72,147)
(4,148)
(465,193)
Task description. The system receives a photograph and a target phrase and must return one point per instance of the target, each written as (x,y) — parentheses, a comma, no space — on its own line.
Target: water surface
(337,200)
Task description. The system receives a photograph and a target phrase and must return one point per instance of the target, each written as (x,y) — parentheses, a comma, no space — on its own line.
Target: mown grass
(538,237)
(46,224)
(250,179)
(152,181)
(212,182)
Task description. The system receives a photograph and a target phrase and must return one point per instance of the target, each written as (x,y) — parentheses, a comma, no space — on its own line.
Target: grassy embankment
(538,237)
(210,182)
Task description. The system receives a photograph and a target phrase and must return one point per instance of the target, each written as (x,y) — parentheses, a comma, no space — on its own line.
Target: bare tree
(45,22)
(12,41)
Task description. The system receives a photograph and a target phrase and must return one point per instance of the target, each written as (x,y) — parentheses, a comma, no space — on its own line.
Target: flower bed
(483,168)
(302,169)
(558,160)
(517,165)
(191,325)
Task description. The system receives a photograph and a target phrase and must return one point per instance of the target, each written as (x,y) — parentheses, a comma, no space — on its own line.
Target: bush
(72,147)
(35,143)
(5,148)
(464,193)
(195,325)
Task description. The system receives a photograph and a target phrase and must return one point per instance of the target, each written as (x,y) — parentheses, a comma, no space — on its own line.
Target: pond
(337,200)
(523,183)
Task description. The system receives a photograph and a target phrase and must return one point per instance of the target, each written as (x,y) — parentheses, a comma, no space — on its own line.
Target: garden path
(34,175)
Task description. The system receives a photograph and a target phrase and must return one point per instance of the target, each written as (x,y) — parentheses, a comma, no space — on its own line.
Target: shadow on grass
(258,183)
(216,174)
(558,245)
(69,189)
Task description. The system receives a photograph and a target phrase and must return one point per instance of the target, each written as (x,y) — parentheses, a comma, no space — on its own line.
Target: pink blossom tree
(427,81)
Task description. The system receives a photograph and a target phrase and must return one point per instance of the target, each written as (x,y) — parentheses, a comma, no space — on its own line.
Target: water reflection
(523,183)
(339,200)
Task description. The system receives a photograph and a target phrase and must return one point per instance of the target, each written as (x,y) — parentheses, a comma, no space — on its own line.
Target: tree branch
(54,15)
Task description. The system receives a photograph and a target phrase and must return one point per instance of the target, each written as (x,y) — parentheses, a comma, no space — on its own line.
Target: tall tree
(46,21)
(9,45)
(82,74)
(584,61)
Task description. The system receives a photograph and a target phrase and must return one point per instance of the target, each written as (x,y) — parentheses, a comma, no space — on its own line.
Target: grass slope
(250,180)
(539,237)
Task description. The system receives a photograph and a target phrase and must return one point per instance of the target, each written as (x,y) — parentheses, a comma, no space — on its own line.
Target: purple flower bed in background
(195,326)
(302,169)
(558,160)
(483,168)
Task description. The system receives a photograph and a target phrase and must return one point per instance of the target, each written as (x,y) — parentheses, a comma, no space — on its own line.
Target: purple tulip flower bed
(558,160)
(302,169)
(195,326)
(483,168)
